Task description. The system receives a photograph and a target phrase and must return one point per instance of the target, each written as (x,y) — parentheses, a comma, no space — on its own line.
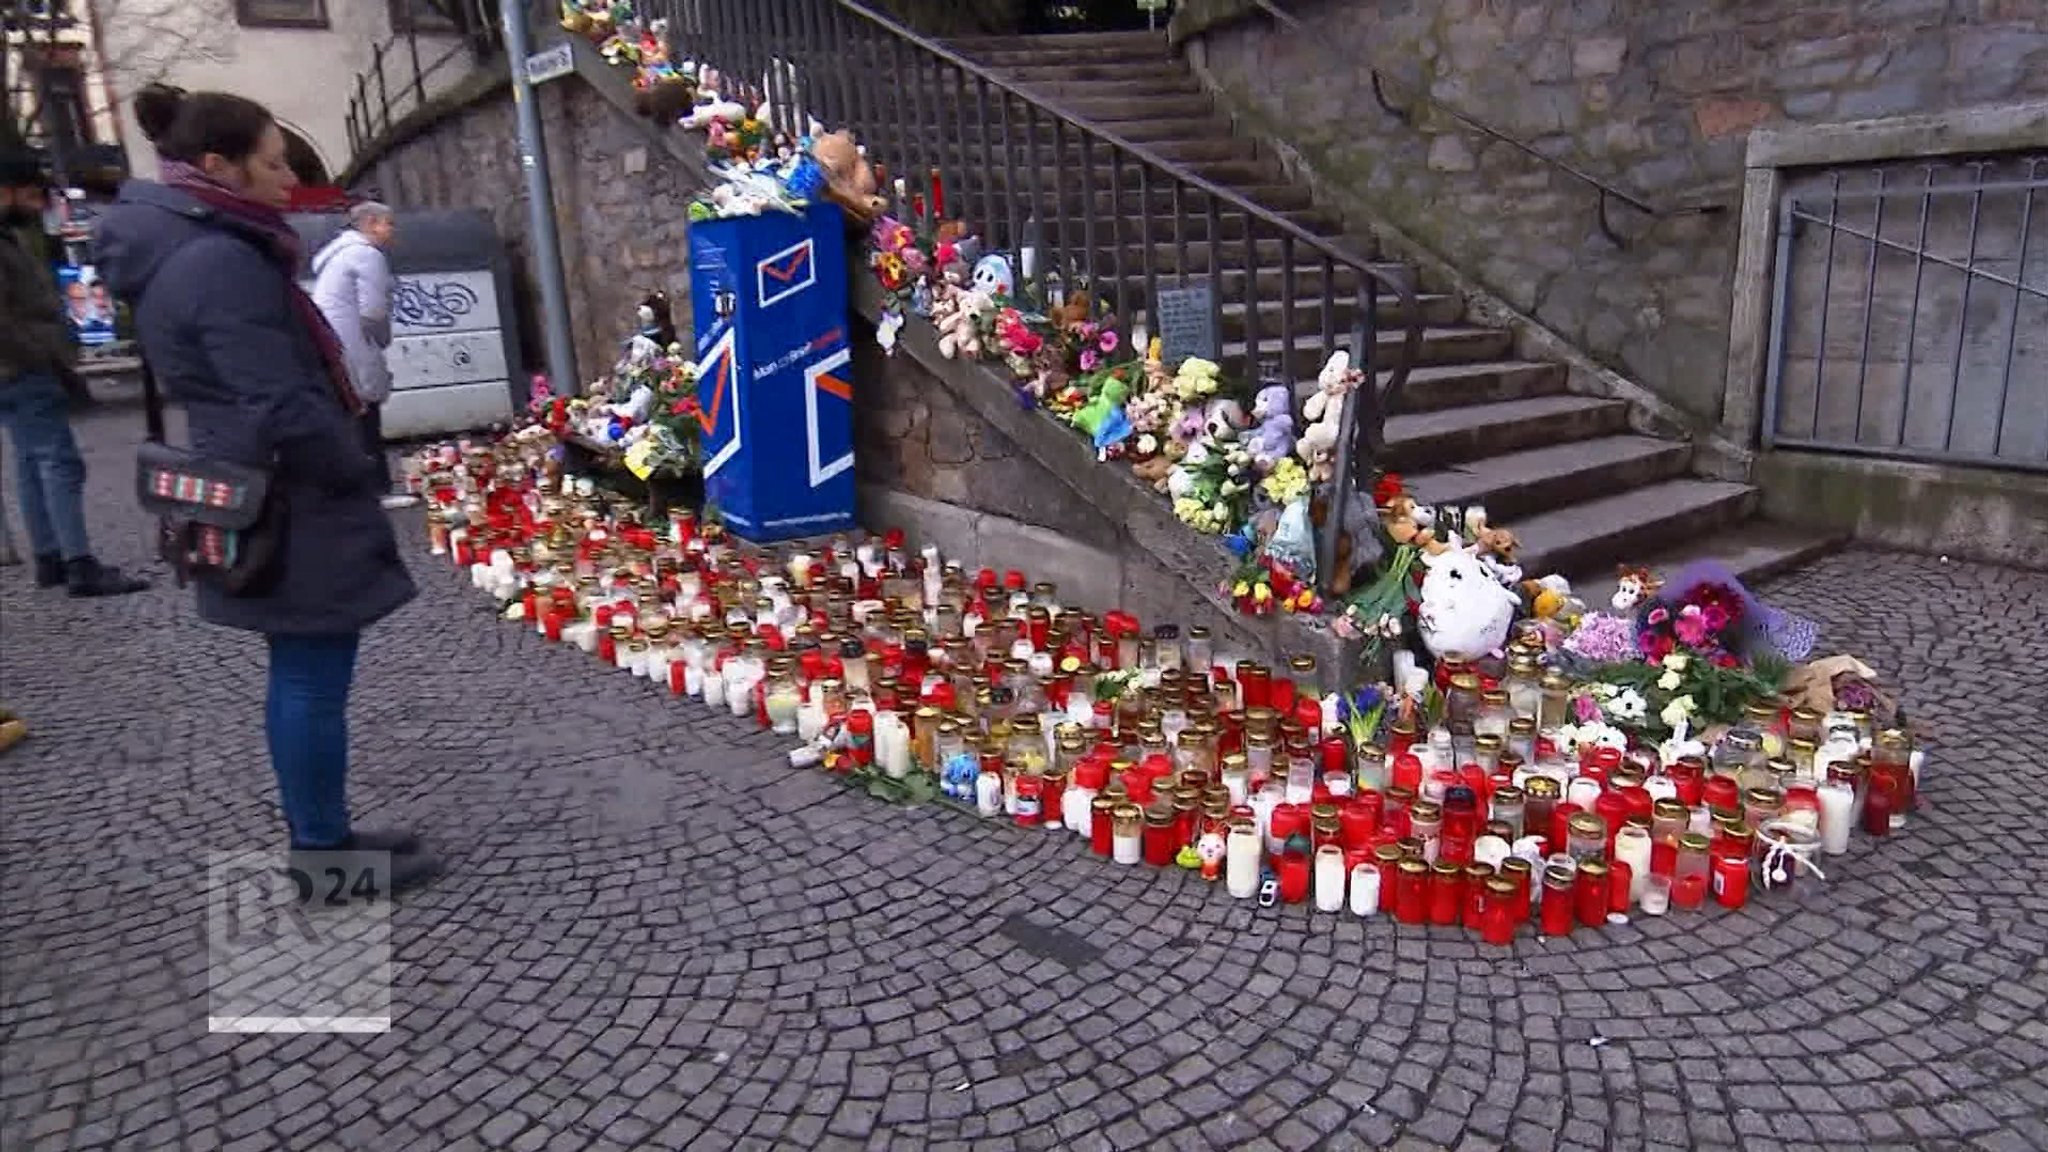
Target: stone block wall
(943,450)
(1655,98)
(620,206)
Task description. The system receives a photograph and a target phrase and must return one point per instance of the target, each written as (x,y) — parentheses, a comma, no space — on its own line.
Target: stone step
(1029,71)
(1515,485)
(1114,110)
(1752,550)
(1308,313)
(1129,200)
(1596,534)
(1130,232)
(1023,128)
(1433,387)
(1307,282)
(1455,344)
(1071,158)
(1419,440)
(1123,87)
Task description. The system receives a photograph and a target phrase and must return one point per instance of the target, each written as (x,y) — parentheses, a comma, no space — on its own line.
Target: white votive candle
(1241,854)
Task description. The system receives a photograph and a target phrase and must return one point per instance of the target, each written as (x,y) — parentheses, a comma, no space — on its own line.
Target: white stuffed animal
(1465,613)
(1317,444)
(730,111)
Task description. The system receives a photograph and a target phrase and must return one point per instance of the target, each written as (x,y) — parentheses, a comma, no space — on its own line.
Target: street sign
(550,64)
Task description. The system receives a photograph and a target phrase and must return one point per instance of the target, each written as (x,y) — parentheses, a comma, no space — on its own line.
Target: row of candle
(905,663)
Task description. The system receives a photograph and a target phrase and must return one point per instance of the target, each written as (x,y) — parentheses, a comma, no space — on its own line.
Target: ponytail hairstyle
(187,126)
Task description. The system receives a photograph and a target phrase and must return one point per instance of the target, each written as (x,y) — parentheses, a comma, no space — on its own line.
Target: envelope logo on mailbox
(718,393)
(830,441)
(786,273)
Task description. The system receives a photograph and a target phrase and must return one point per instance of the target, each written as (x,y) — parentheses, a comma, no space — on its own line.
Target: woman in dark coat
(209,264)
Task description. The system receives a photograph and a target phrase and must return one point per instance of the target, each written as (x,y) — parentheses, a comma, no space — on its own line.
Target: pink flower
(1659,615)
(1109,340)
(1089,360)
(1716,618)
(1586,710)
(1692,627)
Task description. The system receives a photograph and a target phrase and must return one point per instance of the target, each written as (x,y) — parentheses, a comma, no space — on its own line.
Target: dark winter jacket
(32,332)
(214,321)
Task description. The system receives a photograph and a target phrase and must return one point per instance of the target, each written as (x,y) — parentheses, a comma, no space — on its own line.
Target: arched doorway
(305,162)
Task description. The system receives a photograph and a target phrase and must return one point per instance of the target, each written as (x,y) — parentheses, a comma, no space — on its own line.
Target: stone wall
(943,450)
(620,205)
(1655,98)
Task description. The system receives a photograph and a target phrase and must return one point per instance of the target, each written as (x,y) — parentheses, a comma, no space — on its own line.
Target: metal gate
(1910,313)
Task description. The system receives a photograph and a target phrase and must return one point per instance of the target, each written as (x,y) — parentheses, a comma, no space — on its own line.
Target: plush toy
(1407,522)
(958,314)
(849,178)
(1222,419)
(1094,413)
(713,108)
(1631,586)
(992,275)
(1324,410)
(1274,437)
(1183,478)
(1547,596)
(1464,612)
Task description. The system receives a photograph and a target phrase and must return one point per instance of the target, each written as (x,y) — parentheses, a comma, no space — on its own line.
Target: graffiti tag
(431,304)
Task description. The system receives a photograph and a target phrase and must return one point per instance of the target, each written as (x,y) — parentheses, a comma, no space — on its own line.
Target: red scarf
(281,244)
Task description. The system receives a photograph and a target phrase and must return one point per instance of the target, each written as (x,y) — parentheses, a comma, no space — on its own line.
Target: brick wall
(1654,97)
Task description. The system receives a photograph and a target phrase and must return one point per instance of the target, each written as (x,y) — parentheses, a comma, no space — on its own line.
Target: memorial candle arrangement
(1476,798)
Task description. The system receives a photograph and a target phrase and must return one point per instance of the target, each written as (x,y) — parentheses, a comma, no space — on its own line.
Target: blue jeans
(37,415)
(306,717)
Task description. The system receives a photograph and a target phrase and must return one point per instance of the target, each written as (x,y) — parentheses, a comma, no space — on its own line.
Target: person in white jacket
(352,286)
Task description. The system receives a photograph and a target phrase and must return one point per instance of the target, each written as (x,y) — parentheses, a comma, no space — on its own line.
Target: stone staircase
(1474,425)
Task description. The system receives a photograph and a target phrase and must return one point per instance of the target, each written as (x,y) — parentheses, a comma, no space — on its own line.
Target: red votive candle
(1446,893)
(1411,892)
(1589,893)
(1731,880)
(1291,868)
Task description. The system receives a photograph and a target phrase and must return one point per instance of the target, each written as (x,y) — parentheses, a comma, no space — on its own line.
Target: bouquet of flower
(1706,622)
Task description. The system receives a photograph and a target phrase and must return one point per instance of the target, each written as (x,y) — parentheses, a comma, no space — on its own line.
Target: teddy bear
(1274,436)
(1183,478)
(849,178)
(958,314)
(1317,445)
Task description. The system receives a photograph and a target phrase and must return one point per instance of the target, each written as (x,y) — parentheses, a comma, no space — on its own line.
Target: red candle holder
(1446,893)
(1589,893)
(1411,893)
(1407,772)
(1731,880)
(1292,869)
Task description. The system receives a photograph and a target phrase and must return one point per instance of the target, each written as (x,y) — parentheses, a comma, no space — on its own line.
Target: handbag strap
(152,404)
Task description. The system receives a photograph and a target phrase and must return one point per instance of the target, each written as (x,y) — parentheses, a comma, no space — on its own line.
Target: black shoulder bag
(216,521)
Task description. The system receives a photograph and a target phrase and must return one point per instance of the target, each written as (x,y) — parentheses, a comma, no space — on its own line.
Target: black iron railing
(409,64)
(1605,191)
(1100,212)
(1910,313)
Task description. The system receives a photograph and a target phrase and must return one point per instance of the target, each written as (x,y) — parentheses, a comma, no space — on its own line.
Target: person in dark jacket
(208,264)
(35,356)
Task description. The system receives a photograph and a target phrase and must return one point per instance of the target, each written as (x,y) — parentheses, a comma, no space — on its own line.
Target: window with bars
(281,13)
(429,16)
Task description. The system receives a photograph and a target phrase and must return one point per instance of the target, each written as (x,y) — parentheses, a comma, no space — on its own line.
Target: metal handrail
(1606,190)
(368,119)
(1192,179)
(943,113)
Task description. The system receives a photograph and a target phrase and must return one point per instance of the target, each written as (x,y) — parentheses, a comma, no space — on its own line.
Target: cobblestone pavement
(653,935)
